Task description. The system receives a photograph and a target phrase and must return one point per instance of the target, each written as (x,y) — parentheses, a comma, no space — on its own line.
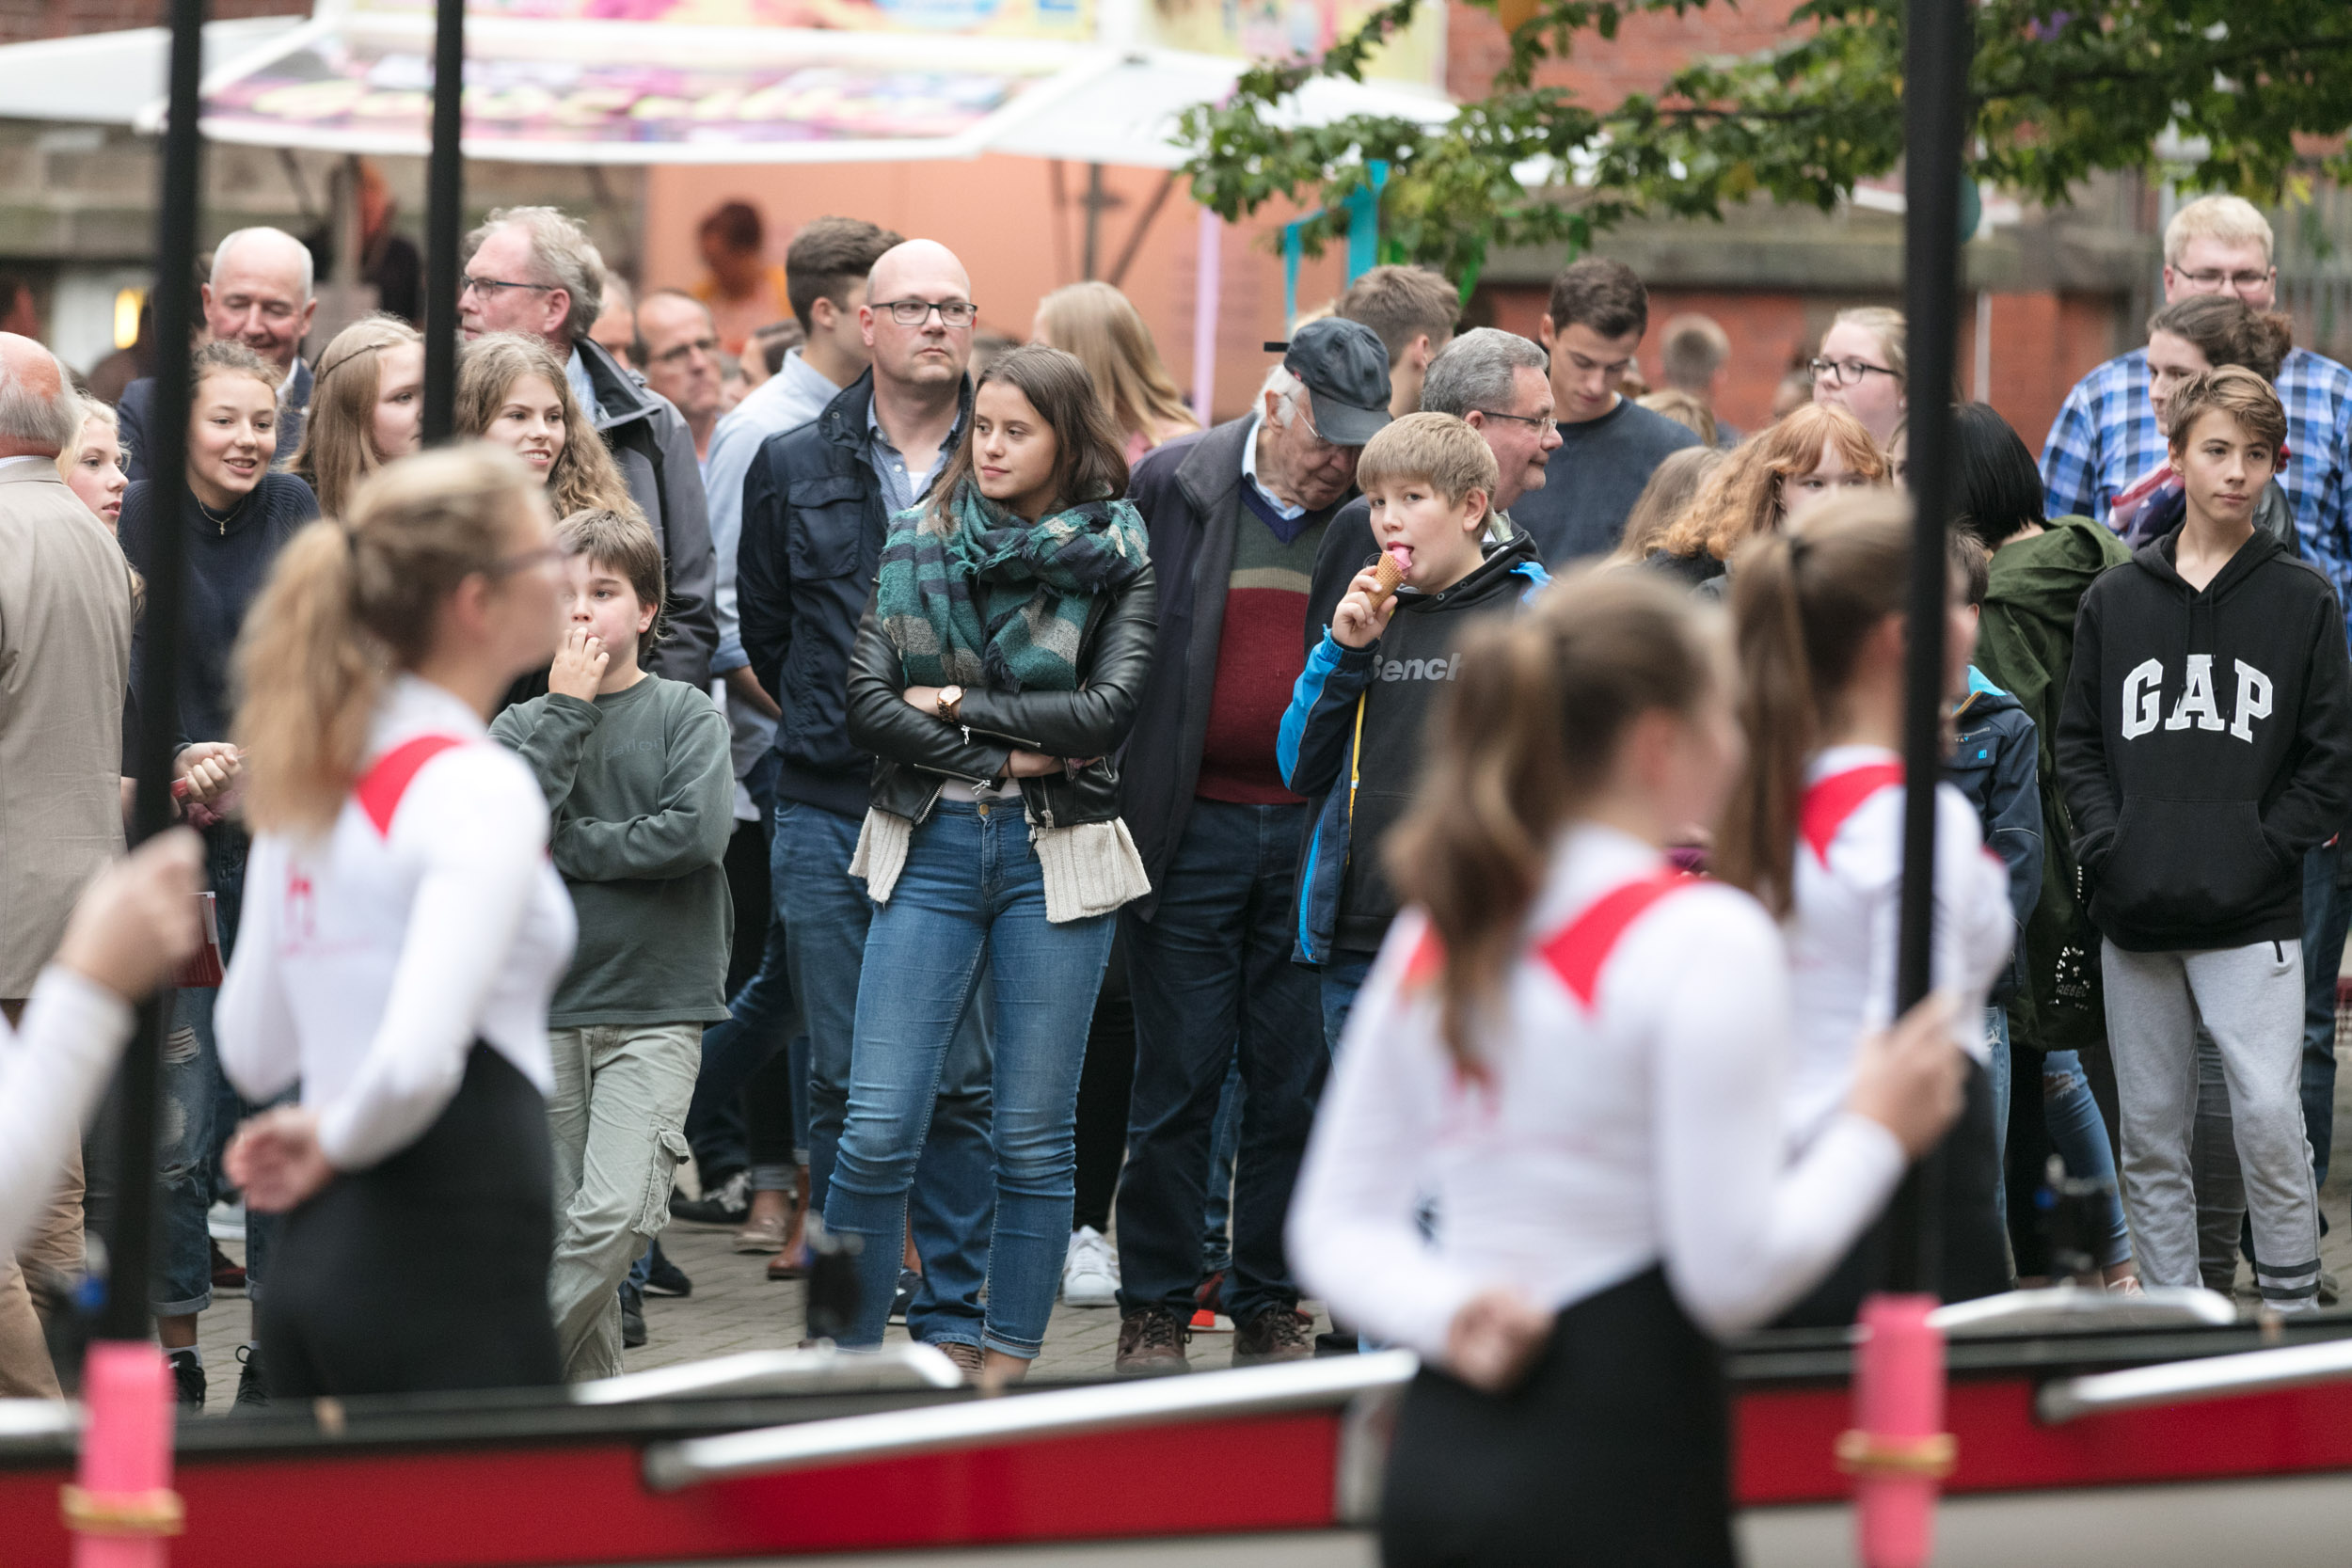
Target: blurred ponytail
(1527,733)
(1802,604)
(347,605)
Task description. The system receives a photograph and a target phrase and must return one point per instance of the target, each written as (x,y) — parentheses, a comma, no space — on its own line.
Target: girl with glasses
(1863,369)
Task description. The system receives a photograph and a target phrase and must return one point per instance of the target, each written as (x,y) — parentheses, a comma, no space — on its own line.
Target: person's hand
(1356,623)
(1495,1338)
(578,666)
(138,922)
(923,697)
(276,1160)
(743,687)
(1030,764)
(210,770)
(1907,1079)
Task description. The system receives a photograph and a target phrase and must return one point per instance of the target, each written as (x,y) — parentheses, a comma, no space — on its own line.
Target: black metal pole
(1936,53)
(445,213)
(129,1236)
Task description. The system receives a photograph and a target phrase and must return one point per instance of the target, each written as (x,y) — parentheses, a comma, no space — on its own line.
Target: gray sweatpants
(2250,1000)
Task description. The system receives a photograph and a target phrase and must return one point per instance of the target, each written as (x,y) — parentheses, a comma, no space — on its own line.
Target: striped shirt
(2105,438)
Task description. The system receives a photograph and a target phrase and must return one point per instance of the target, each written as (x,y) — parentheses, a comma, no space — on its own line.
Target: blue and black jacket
(1351,742)
(1996,762)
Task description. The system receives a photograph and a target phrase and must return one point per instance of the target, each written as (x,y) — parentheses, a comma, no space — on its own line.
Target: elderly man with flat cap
(1236,515)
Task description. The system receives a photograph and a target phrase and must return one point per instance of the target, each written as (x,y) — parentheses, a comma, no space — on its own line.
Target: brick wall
(1646,50)
(20,20)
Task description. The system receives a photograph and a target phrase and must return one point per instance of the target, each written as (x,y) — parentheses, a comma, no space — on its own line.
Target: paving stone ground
(734,1308)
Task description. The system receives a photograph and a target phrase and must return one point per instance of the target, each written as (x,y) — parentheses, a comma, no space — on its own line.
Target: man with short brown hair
(1610,444)
(1415,311)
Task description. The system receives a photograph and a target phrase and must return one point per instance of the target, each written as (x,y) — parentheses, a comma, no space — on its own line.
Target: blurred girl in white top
(402,933)
(1815,832)
(1580,1057)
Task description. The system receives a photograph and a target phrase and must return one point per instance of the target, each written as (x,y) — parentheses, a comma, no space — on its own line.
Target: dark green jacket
(2024,645)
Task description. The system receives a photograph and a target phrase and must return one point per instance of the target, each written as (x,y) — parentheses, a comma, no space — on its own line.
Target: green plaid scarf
(971,594)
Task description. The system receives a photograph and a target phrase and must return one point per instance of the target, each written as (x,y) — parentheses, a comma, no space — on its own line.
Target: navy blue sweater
(227,564)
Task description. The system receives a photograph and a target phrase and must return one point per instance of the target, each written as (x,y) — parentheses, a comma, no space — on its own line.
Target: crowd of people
(970,811)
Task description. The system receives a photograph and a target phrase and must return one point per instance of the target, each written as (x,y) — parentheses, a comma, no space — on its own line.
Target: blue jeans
(760,1022)
(2327,908)
(181,1278)
(825,913)
(1998,1070)
(1342,977)
(2080,1136)
(1217,1235)
(1212,973)
(972,895)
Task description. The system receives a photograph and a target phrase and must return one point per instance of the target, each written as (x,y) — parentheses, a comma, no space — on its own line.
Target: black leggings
(1106,1084)
(428,1272)
(1613,1453)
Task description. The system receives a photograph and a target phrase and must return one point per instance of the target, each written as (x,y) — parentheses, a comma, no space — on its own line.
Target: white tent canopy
(110,78)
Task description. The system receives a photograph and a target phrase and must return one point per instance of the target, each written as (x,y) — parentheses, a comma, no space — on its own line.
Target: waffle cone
(1388,575)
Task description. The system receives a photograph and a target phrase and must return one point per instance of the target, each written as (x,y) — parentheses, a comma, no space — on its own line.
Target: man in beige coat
(65,662)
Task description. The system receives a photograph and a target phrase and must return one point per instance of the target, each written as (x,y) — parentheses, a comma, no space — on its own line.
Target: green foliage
(2057,91)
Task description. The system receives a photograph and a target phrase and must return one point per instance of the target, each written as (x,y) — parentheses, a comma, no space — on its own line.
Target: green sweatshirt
(2024,646)
(642,789)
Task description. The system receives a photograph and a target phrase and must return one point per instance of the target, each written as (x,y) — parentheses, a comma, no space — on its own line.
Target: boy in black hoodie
(2206,745)
(1353,733)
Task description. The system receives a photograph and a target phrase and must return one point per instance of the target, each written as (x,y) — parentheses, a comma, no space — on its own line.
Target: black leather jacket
(914,751)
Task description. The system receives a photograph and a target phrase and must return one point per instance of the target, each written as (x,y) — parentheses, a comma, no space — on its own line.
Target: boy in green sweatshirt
(641,787)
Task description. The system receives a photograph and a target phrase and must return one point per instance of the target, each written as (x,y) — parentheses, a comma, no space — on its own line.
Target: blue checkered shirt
(2107,436)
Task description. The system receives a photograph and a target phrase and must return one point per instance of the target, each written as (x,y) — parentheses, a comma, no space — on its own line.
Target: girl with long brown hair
(1594,1109)
(1104,331)
(1815,832)
(994,678)
(404,937)
(1772,481)
(511,392)
(367,407)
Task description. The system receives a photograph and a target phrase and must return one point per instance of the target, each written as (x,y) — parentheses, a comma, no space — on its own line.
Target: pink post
(1897,1451)
(124,1506)
(1209,281)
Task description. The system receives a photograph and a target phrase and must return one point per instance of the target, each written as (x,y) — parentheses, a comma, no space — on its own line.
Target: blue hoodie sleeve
(1312,749)
(2012,815)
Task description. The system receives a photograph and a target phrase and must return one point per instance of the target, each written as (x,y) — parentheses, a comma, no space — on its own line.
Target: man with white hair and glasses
(534,270)
(258,295)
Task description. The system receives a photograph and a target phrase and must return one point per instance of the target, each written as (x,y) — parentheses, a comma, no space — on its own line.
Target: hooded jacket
(2206,745)
(1992,763)
(655,452)
(2024,646)
(1353,734)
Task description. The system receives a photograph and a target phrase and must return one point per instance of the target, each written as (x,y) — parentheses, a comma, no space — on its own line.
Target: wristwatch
(949,704)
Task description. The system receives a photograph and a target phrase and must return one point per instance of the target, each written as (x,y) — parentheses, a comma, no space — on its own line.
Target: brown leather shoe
(967,1358)
(1151,1343)
(1277,1334)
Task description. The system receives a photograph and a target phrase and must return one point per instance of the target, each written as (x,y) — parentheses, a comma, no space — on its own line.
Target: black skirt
(1614,1453)
(429,1271)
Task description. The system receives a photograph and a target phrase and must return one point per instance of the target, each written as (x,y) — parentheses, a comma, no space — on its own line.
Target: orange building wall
(1647,49)
(998,214)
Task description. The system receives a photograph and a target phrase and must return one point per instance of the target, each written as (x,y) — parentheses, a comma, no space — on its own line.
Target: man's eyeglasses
(1515,419)
(914,312)
(677,356)
(470,284)
(2233,281)
(1847,373)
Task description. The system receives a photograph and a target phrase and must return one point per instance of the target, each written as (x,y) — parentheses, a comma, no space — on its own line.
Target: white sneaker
(1089,1277)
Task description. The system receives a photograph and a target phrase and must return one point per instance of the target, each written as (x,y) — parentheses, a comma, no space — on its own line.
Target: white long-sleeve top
(1843,933)
(1641,1128)
(52,1072)
(369,960)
